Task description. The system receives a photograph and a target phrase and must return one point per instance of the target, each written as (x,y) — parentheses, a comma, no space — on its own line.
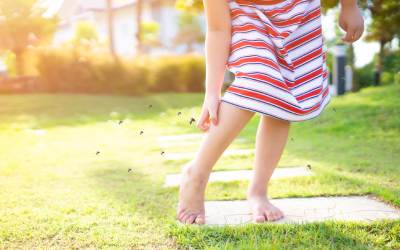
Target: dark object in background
(192,120)
(377,78)
(98,152)
(129,170)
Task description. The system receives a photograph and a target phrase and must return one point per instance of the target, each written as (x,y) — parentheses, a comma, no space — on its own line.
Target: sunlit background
(98,103)
(91,31)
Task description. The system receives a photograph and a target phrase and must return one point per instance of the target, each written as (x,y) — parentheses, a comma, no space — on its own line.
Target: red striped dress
(278,57)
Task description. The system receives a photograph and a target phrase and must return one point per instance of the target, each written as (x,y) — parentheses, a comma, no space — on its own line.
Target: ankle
(195,174)
(256,192)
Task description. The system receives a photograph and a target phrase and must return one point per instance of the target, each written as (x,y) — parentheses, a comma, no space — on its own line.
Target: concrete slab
(183,137)
(304,210)
(174,179)
(185,140)
(189,155)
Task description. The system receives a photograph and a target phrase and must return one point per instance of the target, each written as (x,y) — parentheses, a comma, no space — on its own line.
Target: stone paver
(174,179)
(188,155)
(303,210)
(184,137)
(185,140)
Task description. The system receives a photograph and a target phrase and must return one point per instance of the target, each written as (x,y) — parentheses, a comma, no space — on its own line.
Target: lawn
(81,171)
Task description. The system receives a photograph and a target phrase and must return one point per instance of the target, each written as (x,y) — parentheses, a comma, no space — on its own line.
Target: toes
(180,215)
(259,218)
(184,217)
(273,216)
(187,217)
(200,219)
(190,219)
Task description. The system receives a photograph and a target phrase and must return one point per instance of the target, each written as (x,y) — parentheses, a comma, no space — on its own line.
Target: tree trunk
(351,62)
(19,63)
(379,65)
(139,4)
(110,25)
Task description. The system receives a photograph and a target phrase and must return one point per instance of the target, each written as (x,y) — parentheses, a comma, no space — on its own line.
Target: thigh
(272,124)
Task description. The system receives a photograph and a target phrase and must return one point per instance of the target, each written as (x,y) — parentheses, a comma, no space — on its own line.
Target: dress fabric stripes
(278,57)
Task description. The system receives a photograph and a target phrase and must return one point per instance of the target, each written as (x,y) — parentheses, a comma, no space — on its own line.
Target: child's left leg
(271,139)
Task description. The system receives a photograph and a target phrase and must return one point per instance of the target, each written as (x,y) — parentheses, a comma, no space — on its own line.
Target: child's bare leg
(271,139)
(196,173)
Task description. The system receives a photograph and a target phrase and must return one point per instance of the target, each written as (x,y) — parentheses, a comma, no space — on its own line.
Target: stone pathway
(303,210)
(185,140)
(296,210)
(174,179)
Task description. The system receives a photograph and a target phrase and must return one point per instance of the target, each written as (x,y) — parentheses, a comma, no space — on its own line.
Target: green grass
(55,192)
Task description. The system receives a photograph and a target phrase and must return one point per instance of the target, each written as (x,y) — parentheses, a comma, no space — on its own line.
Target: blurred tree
(110,27)
(21,26)
(385,25)
(139,7)
(384,28)
(85,30)
(190,31)
(193,6)
(149,35)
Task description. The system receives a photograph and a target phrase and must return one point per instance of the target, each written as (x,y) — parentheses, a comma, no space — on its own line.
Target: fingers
(349,36)
(214,116)
(203,122)
(207,116)
(353,35)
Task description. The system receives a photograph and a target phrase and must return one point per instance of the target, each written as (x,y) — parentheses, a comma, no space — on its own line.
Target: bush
(178,73)
(81,72)
(387,78)
(365,75)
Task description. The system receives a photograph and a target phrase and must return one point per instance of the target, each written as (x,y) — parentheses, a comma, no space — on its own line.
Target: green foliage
(391,61)
(365,75)
(80,72)
(385,24)
(178,73)
(190,30)
(85,30)
(149,33)
(328,4)
(9,60)
(193,6)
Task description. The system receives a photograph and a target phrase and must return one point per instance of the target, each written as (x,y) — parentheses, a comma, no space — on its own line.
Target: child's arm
(350,20)
(217,44)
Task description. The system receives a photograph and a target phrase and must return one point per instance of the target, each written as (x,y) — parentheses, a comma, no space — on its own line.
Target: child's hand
(351,21)
(209,112)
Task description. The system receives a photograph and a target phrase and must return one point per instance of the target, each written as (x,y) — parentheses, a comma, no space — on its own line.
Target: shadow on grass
(128,184)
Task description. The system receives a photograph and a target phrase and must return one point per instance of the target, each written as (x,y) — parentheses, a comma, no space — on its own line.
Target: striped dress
(278,57)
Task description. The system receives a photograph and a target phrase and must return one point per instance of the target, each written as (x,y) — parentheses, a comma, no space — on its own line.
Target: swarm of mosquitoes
(191,121)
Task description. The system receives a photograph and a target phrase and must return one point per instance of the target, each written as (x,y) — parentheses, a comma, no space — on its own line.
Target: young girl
(275,49)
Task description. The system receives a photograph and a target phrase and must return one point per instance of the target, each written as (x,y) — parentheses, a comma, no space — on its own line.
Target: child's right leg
(196,173)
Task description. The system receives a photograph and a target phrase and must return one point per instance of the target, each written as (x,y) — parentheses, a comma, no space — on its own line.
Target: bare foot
(263,210)
(191,197)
